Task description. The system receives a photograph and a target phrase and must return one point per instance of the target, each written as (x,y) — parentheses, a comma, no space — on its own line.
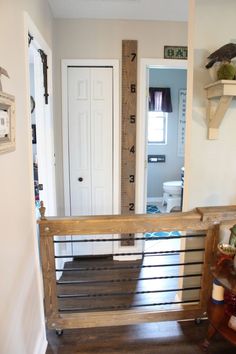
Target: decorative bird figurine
(2,72)
(223,54)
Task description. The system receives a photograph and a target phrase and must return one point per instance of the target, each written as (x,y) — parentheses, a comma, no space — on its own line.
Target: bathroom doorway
(165,165)
(143,180)
(165,139)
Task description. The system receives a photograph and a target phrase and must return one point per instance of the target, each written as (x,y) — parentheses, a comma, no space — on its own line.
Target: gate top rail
(198,219)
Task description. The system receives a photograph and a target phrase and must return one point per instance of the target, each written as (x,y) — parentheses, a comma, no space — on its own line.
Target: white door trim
(48,134)
(116,126)
(141,163)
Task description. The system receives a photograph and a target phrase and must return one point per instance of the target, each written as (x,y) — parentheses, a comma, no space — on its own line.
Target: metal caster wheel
(59,332)
(198,321)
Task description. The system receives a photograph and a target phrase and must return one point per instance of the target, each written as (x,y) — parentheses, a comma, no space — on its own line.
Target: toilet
(172,195)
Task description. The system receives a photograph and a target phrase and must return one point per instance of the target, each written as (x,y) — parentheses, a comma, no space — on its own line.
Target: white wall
(21,309)
(211,167)
(102,39)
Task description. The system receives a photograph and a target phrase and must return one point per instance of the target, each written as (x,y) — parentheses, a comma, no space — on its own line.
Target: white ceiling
(162,10)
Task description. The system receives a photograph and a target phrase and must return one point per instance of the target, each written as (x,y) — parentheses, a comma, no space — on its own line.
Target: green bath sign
(175,52)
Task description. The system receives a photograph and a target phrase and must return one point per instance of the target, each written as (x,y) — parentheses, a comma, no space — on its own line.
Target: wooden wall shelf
(224,90)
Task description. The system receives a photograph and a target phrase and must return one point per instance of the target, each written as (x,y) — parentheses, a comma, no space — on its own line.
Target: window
(157,127)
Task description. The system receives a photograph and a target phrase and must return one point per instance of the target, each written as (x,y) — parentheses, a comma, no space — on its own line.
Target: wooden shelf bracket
(224,91)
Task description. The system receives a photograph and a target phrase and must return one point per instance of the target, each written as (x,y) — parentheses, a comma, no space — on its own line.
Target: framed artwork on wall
(7,122)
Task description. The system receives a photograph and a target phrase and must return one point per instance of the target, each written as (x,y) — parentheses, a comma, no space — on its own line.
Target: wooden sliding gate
(197,232)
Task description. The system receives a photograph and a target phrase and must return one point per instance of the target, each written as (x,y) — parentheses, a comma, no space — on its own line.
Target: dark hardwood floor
(100,283)
(151,338)
(116,283)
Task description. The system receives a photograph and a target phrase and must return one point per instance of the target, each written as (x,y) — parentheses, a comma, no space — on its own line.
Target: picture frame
(7,122)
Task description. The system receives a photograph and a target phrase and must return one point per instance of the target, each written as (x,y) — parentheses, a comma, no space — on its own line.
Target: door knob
(80,179)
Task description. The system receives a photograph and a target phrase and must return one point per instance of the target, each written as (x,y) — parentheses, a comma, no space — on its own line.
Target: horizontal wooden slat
(115,318)
(116,224)
(218,213)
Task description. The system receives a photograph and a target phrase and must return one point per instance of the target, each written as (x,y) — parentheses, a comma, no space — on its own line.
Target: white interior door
(90,122)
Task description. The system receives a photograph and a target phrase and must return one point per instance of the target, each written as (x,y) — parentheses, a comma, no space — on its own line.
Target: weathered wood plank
(210,250)
(218,213)
(116,224)
(49,275)
(115,318)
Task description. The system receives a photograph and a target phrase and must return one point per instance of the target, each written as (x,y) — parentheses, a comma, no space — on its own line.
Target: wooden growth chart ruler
(129,109)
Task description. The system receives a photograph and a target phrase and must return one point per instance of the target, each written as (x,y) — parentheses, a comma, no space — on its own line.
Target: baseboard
(127,258)
(154,199)
(41,344)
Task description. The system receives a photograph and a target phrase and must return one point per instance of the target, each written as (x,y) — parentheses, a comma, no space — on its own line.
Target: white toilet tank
(172,187)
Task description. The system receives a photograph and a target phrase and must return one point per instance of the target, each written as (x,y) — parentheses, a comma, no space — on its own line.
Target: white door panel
(101,125)
(90,147)
(79,141)
(80,166)
(83,89)
(80,198)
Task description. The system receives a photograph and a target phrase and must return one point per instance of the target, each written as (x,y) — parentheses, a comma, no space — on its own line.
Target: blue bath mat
(162,234)
(152,209)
